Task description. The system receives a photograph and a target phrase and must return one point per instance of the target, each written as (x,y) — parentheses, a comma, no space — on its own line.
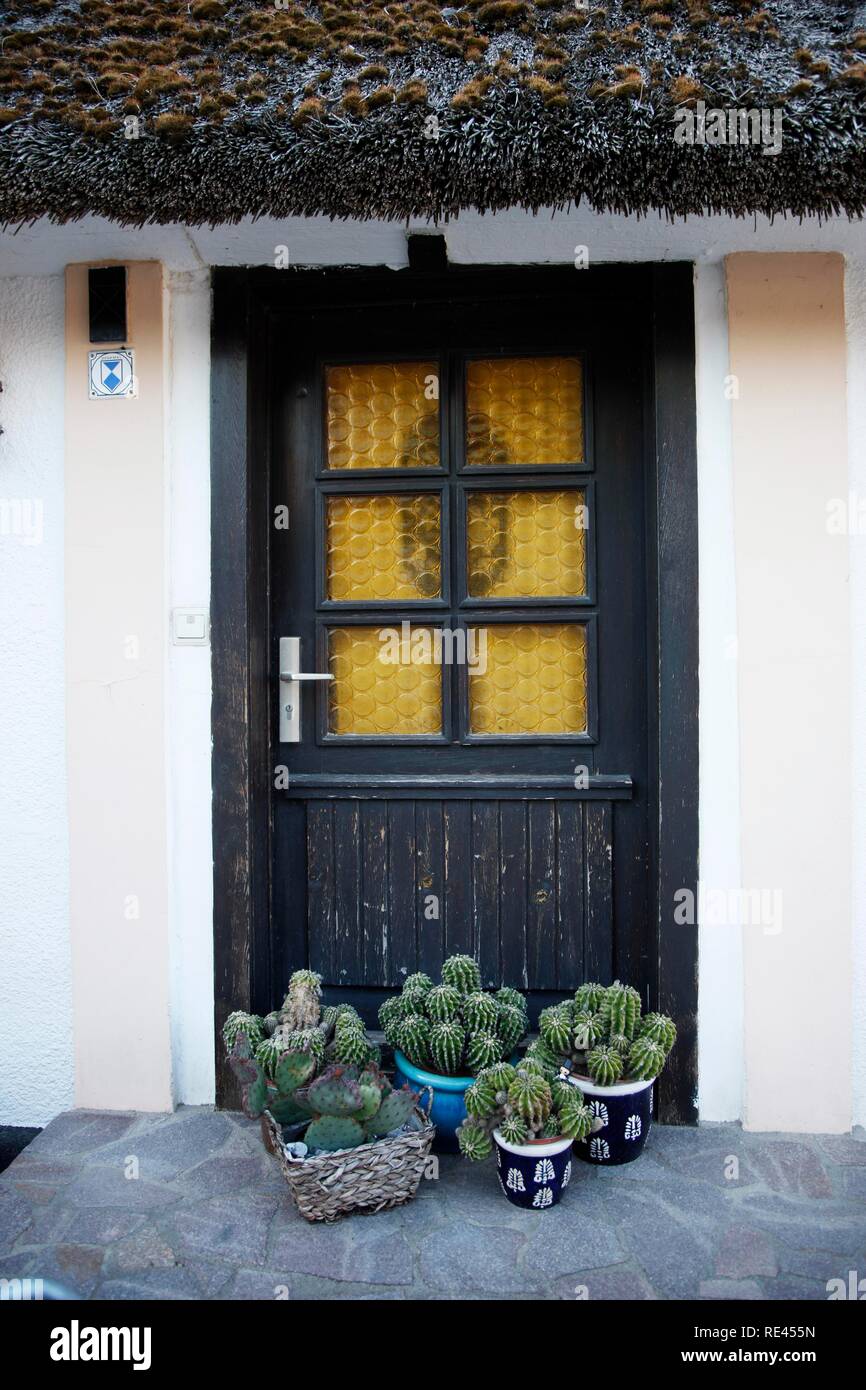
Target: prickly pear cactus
(393,1112)
(294,1069)
(330,1132)
(447,1040)
(335,1092)
(254,1087)
(462,973)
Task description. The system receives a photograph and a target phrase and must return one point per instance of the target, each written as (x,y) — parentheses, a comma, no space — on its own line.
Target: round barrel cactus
(555,1028)
(605,1065)
(482,1050)
(462,973)
(447,1040)
(414,1038)
(443,1002)
(480,1012)
(645,1059)
(660,1029)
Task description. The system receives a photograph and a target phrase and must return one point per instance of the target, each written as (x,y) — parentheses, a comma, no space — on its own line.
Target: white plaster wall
(514,237)
(855,313)
(36,1069)
(189,687)
(720,948)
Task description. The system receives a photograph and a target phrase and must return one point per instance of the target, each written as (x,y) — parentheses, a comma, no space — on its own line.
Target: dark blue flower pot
(533,1175)
(447,1111)
(625,1111)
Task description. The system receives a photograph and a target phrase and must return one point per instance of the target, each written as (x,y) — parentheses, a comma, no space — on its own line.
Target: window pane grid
(528,677)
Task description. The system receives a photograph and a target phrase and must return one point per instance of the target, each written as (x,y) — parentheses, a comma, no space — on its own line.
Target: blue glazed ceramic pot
(533,1175)
(447,1111)
(625,1111)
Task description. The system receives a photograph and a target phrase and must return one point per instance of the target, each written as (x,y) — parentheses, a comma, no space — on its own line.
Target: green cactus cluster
(602,1032)
(315,1066)
(523,1104)
(454,1027)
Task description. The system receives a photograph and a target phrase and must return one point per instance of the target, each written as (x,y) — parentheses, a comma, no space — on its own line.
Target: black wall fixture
(107,304)
(428,251)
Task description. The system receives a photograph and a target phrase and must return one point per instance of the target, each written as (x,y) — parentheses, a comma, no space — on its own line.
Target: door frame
(240,608)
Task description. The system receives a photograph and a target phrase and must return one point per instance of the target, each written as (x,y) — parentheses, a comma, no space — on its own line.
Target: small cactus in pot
(531,1124)
(614,1052)
(523,1106)
(316,1067)
(602,1035)
(454,1028)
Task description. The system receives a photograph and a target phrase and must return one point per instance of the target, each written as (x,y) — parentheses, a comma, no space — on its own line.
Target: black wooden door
(465,556)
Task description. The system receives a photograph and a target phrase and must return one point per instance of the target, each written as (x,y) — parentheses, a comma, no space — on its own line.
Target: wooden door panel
(393,886)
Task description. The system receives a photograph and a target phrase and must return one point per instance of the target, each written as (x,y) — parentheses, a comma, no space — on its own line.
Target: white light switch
(189,627)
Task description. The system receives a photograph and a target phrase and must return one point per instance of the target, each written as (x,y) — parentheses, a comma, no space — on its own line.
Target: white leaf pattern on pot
(543,1198)
(599,1110)
(633,1127)
(566,1177)
(599,1148)
(544,1171)
(514,1181)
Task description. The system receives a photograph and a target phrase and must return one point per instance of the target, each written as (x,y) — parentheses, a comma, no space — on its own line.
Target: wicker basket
(371,1177)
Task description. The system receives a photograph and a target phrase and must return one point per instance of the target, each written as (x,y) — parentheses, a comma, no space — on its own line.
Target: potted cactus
(614,1054)
(345,1137)
(444,1035)
(532,1123)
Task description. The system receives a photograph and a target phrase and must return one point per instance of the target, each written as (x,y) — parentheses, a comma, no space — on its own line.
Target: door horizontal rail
(455,787)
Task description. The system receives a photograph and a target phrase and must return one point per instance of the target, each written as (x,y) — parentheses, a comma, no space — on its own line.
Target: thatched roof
(399,108)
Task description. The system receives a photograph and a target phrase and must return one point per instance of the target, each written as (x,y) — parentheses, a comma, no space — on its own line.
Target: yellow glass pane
(378,415)
(532,680)
(526,544)
(524,411)
(386,681)
(384,547)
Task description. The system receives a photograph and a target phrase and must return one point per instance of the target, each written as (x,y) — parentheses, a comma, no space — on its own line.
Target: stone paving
(704,1213)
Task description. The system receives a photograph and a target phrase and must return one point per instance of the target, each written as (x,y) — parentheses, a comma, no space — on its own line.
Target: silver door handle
(290,692)
(305,676)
